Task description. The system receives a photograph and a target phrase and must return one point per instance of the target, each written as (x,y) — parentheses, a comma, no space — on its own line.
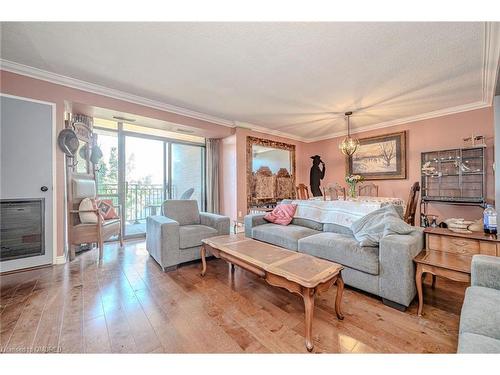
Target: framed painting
(380,158)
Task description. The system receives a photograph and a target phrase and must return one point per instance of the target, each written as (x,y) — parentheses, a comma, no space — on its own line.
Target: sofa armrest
(485,271)
(397,270)
(251,221)
(219,222)
(162,240)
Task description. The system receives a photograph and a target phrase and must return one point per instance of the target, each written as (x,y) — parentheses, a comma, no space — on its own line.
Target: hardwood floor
(125,304)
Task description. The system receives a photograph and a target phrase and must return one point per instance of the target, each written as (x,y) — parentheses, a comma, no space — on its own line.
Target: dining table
(369,199)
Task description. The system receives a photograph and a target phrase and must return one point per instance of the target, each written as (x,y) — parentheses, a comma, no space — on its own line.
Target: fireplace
(22,228)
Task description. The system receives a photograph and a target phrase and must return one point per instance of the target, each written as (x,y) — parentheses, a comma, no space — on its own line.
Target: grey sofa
(387,271)
(175,236)
(480,317)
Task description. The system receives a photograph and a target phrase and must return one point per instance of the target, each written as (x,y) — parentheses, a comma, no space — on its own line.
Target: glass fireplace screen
(22,228)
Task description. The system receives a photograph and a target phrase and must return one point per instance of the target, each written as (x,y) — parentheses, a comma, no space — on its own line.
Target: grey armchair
(479,330)
(175,236)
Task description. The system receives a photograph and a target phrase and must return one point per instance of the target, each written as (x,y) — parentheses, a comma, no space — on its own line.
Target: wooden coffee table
(298,273)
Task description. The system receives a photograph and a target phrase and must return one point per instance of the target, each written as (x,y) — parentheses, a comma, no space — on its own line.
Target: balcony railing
(141,200)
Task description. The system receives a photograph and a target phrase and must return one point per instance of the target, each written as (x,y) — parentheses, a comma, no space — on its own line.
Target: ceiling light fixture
(349,145)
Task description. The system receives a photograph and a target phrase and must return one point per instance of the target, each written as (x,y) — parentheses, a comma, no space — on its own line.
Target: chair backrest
(83,188)
(187,194)
(333,192)
(411,205)
(80,187)
(302,192)
(185,212)
(368,190)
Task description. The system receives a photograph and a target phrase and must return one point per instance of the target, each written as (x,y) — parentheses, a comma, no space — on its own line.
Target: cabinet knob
(44,188)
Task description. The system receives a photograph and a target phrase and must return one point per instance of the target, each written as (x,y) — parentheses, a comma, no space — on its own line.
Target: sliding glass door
(144,181)
(107,168)
(141,167)
(188,173)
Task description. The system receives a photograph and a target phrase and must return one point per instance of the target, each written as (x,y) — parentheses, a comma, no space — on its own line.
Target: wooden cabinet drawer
(456,245)
(487,248)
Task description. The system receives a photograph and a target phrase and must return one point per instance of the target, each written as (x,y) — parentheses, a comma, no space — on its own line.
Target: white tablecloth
(339,211)
(365,198)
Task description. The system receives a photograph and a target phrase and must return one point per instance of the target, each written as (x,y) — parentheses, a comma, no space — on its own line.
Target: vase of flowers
(352,180)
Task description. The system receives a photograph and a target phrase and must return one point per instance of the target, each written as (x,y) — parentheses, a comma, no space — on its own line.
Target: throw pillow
(371,228)
(282,214)
(106,209)
(87,217)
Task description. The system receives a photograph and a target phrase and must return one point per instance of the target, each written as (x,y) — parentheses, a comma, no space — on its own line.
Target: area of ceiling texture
(295,79)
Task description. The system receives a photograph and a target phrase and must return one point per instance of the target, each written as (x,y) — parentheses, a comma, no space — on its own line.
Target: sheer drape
(212,162)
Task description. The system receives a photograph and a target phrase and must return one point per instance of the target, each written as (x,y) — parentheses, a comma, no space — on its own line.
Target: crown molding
(13,67)
(490,71)
(491,58)
(406,120)
(264,130)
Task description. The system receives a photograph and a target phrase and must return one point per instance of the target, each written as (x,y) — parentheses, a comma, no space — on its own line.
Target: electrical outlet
(239,213)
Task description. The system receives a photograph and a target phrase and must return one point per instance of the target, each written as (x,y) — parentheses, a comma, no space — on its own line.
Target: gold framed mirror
(271,172)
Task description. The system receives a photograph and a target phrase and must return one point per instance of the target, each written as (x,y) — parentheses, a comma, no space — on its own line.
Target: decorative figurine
(316,175)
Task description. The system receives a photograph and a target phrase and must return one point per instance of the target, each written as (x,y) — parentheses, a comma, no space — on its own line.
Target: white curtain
(212,164)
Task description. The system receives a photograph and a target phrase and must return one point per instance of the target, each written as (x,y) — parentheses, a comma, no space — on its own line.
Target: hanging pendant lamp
(349,145)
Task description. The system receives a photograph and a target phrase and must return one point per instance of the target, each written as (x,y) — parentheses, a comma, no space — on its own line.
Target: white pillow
(87,217)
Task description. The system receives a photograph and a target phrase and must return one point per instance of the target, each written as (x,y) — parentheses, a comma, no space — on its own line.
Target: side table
(449,254)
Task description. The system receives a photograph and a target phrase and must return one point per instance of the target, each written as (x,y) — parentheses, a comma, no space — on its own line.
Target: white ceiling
(294,79)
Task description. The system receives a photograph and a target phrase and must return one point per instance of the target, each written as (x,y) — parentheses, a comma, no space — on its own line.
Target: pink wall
(426,135)
(19,85)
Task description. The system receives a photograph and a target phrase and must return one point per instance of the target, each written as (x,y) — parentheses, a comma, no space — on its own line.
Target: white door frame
(55,258)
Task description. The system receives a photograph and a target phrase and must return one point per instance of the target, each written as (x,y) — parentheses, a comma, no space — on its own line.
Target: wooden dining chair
(411,205)
(368,190)
(302,192)
(334,192)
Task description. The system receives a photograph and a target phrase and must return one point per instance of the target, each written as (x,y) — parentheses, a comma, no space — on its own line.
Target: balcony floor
(134,229)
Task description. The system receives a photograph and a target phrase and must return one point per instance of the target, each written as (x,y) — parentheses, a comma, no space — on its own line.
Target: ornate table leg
(203,252)
(418,281)
(338,298)
(308,296)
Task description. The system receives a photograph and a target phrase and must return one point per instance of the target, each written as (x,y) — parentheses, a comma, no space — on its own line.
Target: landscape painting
(380,158)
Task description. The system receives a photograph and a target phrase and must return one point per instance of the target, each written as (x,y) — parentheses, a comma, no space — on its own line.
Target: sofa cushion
(343,249)
(284,236)
(282,214)
(472,343)
(191,235)
(311,224)
(336,228)
(185,212)
(87,216)
(480,312)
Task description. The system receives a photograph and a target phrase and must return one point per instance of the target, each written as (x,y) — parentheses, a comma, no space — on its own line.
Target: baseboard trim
(61,259)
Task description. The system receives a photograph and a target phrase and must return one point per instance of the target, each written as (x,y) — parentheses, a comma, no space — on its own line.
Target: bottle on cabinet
(490,220)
